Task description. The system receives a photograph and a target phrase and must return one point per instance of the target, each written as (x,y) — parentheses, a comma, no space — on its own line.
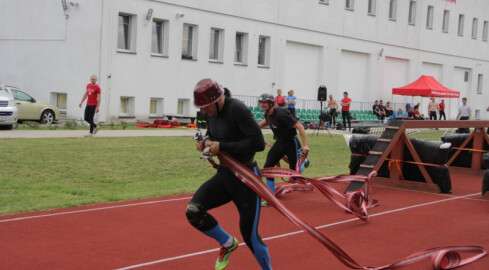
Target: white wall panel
(396,74)
(302,69)
(354,75)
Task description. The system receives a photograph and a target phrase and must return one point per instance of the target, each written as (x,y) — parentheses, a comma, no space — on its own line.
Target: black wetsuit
(240,136)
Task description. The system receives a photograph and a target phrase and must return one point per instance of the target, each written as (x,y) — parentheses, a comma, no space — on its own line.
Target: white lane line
(93,209)
(296,232)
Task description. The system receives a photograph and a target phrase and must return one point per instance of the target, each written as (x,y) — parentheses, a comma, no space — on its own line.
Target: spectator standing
(433,108)
(279,99)
(441,108)
(333,110)
(290,101)
(93,96)
(345,110)
(464,113)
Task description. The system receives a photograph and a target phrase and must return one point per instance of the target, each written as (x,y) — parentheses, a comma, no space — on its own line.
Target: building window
(477,115)
(466,76)
(475,22)
(264,51)
(429,17)
(159,38)
(126,33)
(217,44)
(326,2)
(189,42)
(241,53)
(59,100)
(412,12)
(127,107)
(446,17)
(155,107)
(393,9)
(484,31)
(183,107)
(372,4)
(479,84)
(349,4)
(461,19)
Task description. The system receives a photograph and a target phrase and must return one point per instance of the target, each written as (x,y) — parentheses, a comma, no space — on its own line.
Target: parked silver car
(8,110)
(31,109)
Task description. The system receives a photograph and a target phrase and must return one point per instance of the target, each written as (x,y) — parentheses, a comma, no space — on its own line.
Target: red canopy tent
(426,86)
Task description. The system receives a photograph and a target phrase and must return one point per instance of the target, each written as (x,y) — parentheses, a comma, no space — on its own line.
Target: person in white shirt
(464,113)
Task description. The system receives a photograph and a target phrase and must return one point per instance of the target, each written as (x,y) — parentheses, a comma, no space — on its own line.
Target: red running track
(154,233)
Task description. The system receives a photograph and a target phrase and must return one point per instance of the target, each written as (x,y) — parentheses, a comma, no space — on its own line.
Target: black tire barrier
(355,162)
(428,151)
(485,182)
(485,161)
(361,130)
(462,130)
(360,146)
(464,159)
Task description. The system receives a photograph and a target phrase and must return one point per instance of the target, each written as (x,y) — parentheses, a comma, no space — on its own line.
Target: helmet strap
(269,106)
(217,105)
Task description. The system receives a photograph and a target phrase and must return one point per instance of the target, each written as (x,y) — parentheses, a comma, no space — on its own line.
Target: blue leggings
(222,188)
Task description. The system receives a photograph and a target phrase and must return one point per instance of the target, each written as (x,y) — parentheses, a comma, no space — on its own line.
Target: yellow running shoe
(223,259)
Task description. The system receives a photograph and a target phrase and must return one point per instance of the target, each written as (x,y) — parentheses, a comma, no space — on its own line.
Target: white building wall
(346,50)
(43,52)
(302,68)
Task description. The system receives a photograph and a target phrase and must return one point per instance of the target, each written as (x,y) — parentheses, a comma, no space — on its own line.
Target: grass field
(39,174)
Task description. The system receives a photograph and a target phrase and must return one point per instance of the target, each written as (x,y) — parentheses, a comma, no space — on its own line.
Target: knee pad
(195,215)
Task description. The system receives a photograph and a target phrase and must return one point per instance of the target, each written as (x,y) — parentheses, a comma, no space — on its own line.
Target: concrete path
(101,133)
(104,132)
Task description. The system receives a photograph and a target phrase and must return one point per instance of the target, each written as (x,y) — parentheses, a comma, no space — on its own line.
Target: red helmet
(207,92)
